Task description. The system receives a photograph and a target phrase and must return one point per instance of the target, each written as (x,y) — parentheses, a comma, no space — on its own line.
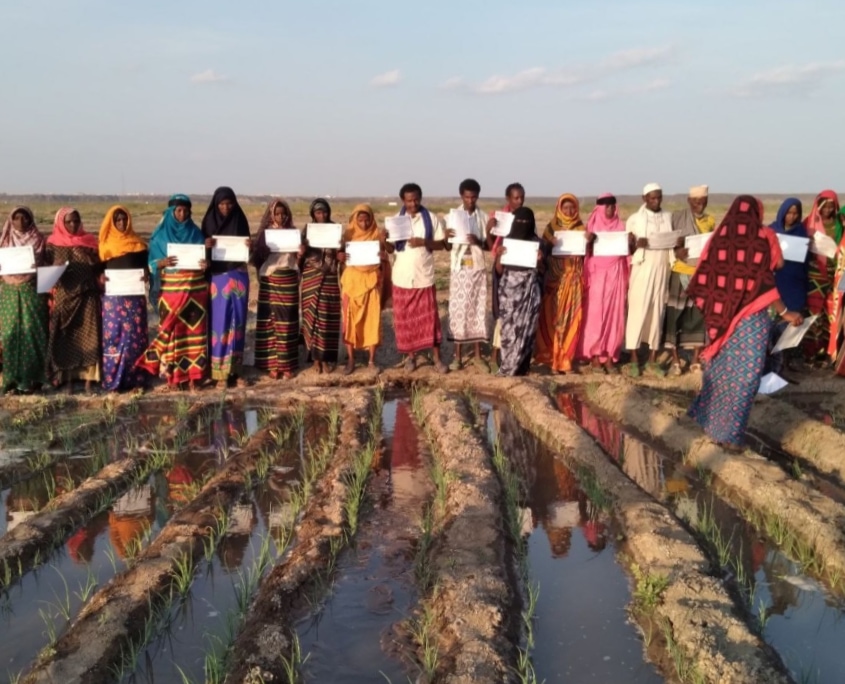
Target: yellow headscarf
(115,244)
(357,281)
(354,233)
(561,221)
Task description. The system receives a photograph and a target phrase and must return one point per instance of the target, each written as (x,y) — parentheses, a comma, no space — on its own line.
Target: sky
(357,97)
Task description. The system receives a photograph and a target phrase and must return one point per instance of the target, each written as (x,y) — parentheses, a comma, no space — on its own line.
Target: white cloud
(650,87)
(788,80)
(387,80)
(454,83)
(208,76)
(637,57)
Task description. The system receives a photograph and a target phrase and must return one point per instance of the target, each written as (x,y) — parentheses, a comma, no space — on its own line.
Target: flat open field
(416,527)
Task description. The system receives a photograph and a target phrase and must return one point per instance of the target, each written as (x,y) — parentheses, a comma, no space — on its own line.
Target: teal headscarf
(170,230)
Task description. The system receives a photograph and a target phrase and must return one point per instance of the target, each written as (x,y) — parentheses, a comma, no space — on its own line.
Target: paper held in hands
(792,336)
(48,277)
(611,243)
(363,253)
(17,260)
(504,221)
(283,240)
(520,253)
(230,248)
(823,245)
(771,383)
(458,220)
(127,282)
(793,248)
(695,244)
(398,228)
(570,243)
(324,235)
(188,256)
(664,240)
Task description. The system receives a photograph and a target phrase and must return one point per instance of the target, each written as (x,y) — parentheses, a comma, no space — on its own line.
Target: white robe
(648,286)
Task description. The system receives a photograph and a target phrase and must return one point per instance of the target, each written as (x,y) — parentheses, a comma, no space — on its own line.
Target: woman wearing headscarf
(179,353)
(124,317)
(559,330)
(519,300)
(277,324)
(734,285)
(74,349)
(321,297)
(838,304)
(229,292)
(361,291)
(23,312)
(823,219)
(606,285)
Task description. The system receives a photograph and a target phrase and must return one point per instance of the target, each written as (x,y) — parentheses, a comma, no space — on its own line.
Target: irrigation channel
(473,529)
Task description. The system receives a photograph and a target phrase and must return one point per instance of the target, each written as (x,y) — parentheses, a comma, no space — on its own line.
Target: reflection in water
(233,546)
(130,519)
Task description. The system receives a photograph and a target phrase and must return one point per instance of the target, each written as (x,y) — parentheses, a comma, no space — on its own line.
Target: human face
(225,207)
(321,215)
(697,205)
(609,210)
(280,215)
(72,222)
(21,221)
(653,200)
(568,209)
(181,213)
(363,220)
(792,216)
(516,199)
(120,220)
(470,200)
(827,210)
(412,201)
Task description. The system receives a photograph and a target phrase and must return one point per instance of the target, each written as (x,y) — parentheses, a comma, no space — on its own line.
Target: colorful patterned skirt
(731,381)
(684,322)
(229,306)
(519,310)
(24,329)
(416,319)
(124,341)
(180,350)
(559,329)
(277,327)
(820,303)
(320,314)
(468,306)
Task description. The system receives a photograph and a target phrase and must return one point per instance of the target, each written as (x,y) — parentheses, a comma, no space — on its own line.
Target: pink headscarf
(814,223)
(62,238)
(599,222)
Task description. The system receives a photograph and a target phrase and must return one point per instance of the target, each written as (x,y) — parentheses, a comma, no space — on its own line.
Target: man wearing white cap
(684,320)
(647,287)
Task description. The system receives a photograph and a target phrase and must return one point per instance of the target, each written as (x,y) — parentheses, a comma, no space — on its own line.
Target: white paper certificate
(282,239)
(363,253)
(771,383)
(792,336)
(824,245)
(399,228)
(570,243)
(458,220)
(611,243)
(695,244)
(664,240)
(324,235)
(188,256)
(48,277)
(520,253)
(17,260)
(127,282)
(794,248)
(230,248)
(504,221)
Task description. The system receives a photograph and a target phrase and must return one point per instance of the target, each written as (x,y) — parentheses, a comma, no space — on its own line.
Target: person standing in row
(606,283)
(684,323)
(24,318)
(124,317)
(837,328)
(277,322)
(321,297)
(73,349)
(179,352)
(559,330)
(229,292)
(468,280)
(415,315)
(823,220)
(649,280)
(361,291)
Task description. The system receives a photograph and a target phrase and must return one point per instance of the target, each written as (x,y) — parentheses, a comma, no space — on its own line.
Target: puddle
(582,630)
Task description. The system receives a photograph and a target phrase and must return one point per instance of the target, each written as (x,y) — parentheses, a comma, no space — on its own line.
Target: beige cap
(697,191)
(651,187)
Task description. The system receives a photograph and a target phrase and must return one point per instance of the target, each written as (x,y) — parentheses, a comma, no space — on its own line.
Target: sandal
(695,368)
(372,365)
(634,370)
(441,368)
(456,365)
(611,368)
(654,368)
(410,364)
(348,369)
(481,364)
(675,370)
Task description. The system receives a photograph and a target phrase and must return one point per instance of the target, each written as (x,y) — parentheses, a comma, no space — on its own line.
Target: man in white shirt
(415,317)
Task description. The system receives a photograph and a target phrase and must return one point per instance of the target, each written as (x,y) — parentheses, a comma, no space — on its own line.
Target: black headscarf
(524,226)
(320,203)
(214,223)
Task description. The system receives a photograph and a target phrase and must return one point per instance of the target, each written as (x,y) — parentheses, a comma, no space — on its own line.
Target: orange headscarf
(561,221)
(354,233)
(115,244)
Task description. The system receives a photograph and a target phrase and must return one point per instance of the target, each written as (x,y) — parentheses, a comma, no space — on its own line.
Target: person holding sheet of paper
(415,317)
(124,317)
(23,312)
(361,291)
(179,352)
(321,297)
(684,324)
(74,349)
(520,297)
(734,285)
(561,313)
(837,328)
(277,321)
(468,280)
(606,286)
(229,290)
(647,287)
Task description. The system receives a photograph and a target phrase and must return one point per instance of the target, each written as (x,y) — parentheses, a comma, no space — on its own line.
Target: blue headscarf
(779,224)
(170,230)
(793,279)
